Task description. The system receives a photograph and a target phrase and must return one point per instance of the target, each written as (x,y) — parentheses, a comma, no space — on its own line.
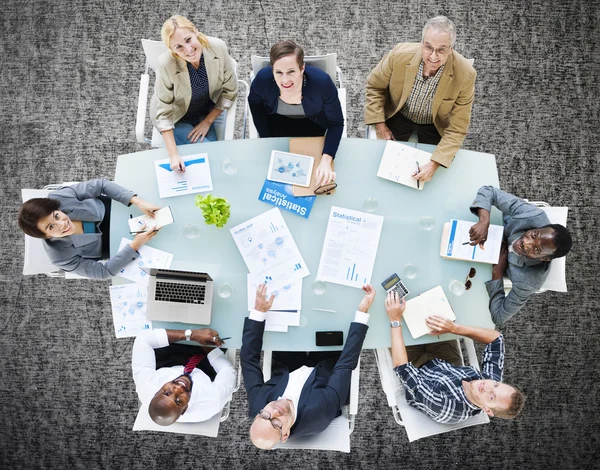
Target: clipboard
(313,147)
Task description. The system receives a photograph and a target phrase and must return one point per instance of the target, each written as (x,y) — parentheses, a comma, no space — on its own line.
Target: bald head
(171,401)
(263,435)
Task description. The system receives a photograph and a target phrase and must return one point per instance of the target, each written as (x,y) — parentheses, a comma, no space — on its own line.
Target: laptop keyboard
(182,293)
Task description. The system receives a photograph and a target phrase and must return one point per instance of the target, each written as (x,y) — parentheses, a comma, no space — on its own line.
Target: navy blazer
(319,99)
(324,392)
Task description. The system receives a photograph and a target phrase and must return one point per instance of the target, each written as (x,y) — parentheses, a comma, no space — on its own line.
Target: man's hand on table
(426,172)
(367,300)
(394,306)
(261,303)
(440,325)
(478,233)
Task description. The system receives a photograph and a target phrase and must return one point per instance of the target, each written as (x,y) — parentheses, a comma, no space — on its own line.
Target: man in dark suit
(305,400)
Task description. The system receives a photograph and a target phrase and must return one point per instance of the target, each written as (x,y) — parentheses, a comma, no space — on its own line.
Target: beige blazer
(173,90)
(390,83)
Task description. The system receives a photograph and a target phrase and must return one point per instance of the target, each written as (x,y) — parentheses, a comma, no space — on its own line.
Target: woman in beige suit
(195,82)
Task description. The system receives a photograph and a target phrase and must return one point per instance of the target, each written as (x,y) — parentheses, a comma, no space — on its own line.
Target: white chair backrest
(557,276)
(153,49)
(36,261)
(327,63)
(209,428)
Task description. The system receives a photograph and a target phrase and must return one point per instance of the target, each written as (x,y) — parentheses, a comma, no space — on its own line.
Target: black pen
(466,243)
(142,231)
(226,337)
(418,171)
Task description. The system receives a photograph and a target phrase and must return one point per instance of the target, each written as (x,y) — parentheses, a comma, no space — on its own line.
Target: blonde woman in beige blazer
(184,106)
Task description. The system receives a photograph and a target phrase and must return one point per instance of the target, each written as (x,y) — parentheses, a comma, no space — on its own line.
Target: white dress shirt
(298,378)
(207,398)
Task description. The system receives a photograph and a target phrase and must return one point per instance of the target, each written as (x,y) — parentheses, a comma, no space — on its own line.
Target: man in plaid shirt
(452,393)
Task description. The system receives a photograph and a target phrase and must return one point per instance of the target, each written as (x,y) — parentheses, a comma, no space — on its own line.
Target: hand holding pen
(143,237)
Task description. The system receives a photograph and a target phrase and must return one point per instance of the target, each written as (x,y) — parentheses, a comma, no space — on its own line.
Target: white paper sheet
(281,320)
(399,163)
(129,309)
(459,243)
(431,302)
(269,250)
(149,258)
(350,247)
(195,179)
(288,297)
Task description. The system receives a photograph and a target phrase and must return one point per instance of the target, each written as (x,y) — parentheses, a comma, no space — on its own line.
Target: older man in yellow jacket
(425,87)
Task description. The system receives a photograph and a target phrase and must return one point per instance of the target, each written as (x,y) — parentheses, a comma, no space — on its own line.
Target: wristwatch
(188,335)
(395,324)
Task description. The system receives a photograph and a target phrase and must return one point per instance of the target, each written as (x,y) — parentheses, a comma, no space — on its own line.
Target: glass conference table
(402,240)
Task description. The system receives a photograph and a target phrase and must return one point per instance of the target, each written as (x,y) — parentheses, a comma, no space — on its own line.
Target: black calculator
(394,284)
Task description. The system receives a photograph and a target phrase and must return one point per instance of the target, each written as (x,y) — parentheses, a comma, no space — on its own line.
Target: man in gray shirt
(530,243)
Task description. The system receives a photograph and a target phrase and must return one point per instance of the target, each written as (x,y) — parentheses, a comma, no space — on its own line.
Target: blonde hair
(178,21)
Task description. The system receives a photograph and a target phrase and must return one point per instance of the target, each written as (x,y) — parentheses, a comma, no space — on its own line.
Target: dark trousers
(403,127)
(105,226)
(179,354)
(446,350)
(283,126)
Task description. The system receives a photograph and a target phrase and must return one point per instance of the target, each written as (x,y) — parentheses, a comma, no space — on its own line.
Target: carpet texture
(69,85)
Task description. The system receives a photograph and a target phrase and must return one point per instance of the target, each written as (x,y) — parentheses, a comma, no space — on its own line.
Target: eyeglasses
(274,421)
(326,188)
(441,51)
(468,282)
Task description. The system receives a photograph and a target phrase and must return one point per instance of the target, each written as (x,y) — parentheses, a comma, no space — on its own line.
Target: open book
(455,243)
(399,162)
(432,302)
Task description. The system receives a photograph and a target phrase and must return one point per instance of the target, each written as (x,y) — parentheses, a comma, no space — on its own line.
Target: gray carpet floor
(69,84)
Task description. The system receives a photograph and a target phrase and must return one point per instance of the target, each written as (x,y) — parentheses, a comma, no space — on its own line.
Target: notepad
(144,223)
(455,243)
(399,162)
(431,302)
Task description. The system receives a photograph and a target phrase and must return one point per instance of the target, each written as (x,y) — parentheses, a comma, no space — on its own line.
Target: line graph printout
(195,179)
(129,309)
(350,247)
(269,250)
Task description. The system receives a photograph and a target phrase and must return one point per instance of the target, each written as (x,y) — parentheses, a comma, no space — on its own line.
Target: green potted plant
(216,210)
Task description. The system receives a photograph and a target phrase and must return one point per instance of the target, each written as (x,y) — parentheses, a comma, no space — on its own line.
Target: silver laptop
(179,296)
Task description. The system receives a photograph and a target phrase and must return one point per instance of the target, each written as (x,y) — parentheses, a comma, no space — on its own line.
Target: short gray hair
(441,23)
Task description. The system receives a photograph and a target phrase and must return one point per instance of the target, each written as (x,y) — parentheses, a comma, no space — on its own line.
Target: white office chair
(557,276)
(337,435)
(152,50)
(417,423)
(370,132)
(327,63)
(36,260)
(209,428)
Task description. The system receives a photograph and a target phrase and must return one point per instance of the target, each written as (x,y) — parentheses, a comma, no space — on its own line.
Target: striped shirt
(418,105)
(436,388)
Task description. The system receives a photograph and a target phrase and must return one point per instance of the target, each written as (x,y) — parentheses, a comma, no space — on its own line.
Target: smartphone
(329,338)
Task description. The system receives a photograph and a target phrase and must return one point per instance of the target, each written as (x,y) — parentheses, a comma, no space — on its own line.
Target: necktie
(192,363)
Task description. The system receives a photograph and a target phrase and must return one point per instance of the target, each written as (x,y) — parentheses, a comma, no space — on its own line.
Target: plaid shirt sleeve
(422,394)
(493,359)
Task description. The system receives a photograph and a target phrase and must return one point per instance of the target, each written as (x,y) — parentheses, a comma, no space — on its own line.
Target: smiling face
(288,74)
(56,225)
(171,401)
(185,44)
(489,395)
(536,244)
(436,49)
(265,433)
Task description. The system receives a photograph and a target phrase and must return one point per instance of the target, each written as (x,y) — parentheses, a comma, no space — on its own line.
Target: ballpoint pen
(418,171)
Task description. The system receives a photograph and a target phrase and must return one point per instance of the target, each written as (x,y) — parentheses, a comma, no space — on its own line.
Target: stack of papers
(149,258)
(286,306)
(129,309)
(455,243)
(269,250)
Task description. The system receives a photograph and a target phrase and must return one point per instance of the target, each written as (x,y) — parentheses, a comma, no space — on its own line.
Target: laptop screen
(176,274)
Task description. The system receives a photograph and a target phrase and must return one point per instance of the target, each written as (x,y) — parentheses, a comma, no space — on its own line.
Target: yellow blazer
(390,83)
(173,90)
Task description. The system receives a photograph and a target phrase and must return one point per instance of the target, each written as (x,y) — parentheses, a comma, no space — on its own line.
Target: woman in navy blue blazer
(290,99)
